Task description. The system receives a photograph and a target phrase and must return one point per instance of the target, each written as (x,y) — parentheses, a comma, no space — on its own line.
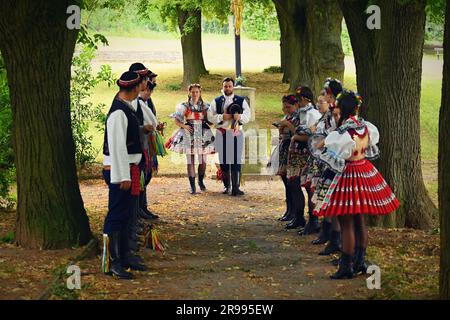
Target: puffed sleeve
(338,148)
(179,112)
(373,152)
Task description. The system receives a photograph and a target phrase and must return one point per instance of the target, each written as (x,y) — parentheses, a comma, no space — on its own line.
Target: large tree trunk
(37,48)
(190,24)
(389,72)
(311,40)
(444,165)
(283,44)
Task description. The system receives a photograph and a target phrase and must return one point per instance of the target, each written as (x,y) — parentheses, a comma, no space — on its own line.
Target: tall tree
(186,16)
(311,47)
(190,25)
(389,72)
(444,165)
(37,48)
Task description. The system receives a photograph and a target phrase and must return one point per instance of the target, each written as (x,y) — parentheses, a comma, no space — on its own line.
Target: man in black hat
(142,107)
(228,113)
(122,154)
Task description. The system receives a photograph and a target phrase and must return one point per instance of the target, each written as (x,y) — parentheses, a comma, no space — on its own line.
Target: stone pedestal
(250,95)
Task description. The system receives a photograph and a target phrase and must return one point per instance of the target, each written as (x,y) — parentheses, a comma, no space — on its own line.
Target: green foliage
(83,112)
(173,86)
(7,170)
(273,69)
(8,238)
(260,20)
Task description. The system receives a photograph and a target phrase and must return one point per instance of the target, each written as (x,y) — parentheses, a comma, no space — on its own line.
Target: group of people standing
(228,113)
(132,143)
(326,149)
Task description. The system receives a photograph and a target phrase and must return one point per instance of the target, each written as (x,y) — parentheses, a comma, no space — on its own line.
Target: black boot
(130,259)
(360,265)
(288,215)
(115,263)
(333,245)
(312,226)
(325,233)
(144,213)
(192,184)
(235,183)
(200,182)
(226,182)
(345,270)
(297,222)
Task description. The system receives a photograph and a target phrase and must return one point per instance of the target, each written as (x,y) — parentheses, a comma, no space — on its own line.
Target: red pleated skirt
(360,190)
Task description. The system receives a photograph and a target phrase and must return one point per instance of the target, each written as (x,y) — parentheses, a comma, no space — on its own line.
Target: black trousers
(119,206)
(230,146)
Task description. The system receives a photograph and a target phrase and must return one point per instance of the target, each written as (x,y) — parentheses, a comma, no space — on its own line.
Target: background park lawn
(162,54)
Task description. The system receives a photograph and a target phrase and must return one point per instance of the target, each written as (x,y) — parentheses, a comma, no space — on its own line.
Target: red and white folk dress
(358,187)
(201,140)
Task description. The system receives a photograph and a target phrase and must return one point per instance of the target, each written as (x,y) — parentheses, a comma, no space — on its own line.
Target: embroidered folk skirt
(360,189)
(200,142)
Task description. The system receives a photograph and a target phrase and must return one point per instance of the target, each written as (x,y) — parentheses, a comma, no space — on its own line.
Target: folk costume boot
(333,246)
(236,183)
(360,265)
(200,182)
(130,260)
(288,216)
(144,212)
(325,233)
(297,206)
(112,264)
(312,226)
(345,270)
(192,185)
(226,182)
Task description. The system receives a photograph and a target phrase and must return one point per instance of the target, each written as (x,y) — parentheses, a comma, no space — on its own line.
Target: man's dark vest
(220,101)
(133,139)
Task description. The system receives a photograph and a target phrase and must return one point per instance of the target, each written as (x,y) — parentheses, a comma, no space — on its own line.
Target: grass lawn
(163,56)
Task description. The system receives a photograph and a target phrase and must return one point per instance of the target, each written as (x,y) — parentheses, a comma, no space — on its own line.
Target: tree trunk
(311,41)
(283,43)
(389,72)
(37,48)
(190,24)
(444,166)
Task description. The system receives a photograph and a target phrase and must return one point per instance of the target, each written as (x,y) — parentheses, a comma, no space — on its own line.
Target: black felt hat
(140,69)
(128,80)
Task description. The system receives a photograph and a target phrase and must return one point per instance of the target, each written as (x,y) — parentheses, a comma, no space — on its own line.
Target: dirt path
(222,247)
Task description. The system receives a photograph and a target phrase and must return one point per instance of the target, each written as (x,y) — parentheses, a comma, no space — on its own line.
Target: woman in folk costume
(330,232)
(287,131)
(306,116)
(358,188)
(123,154)
(194,136)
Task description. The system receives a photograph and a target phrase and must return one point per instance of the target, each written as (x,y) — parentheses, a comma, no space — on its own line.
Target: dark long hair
(348,102)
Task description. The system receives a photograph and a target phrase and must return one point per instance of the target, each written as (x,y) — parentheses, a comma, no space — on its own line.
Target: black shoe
(335,262)
(311,227)
(192,185)
(333,245)
(146,214)
(236,183)
(345,270)
(286,217)
(200,182)
(359,263)
(133,262)
(116,269)
(237,192)
(325,233)
(296,223)
(226,190)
